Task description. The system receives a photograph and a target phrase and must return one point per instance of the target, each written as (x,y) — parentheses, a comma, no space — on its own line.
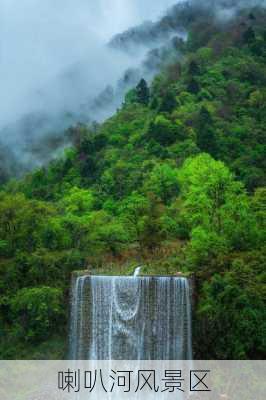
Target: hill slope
(174,180)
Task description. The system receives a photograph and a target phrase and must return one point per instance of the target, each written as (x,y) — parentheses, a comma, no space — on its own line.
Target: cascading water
(130,318)
(137,271)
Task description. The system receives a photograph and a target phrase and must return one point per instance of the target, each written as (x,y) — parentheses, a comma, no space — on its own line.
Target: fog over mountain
(66,61)
(43,42)
(54,60)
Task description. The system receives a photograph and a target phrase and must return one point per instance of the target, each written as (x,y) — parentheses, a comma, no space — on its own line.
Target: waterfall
(137,271)
(148,318)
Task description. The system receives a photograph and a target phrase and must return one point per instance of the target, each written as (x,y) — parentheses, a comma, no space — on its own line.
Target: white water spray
(137,272)
(114,318)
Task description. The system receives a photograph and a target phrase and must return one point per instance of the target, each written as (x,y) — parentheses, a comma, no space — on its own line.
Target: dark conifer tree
(206,138)
(193,86)
(143,92)
(249,36)
(193,68)
(168,103)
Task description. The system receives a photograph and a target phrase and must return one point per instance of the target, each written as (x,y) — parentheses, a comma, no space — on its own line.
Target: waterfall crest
(137,271)
(121,318)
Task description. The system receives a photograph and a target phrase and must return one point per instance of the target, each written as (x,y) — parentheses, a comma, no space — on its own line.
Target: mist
(54,60)
(42,43)
(55,66)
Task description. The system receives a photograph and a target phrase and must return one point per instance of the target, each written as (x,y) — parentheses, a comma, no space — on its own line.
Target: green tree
(193,68)
(163,130)
(21,221)
(142,216)
(232,311)
(216,207)
(131,97)
(249,36)
(132,210)
(77,201)
(206,139)
(193,86)
(38,312)
(143,92)
(169,102)
(163,182)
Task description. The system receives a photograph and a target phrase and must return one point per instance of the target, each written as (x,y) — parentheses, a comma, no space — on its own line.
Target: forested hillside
(175,181)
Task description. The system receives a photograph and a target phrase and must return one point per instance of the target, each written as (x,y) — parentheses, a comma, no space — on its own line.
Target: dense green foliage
(175,179)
